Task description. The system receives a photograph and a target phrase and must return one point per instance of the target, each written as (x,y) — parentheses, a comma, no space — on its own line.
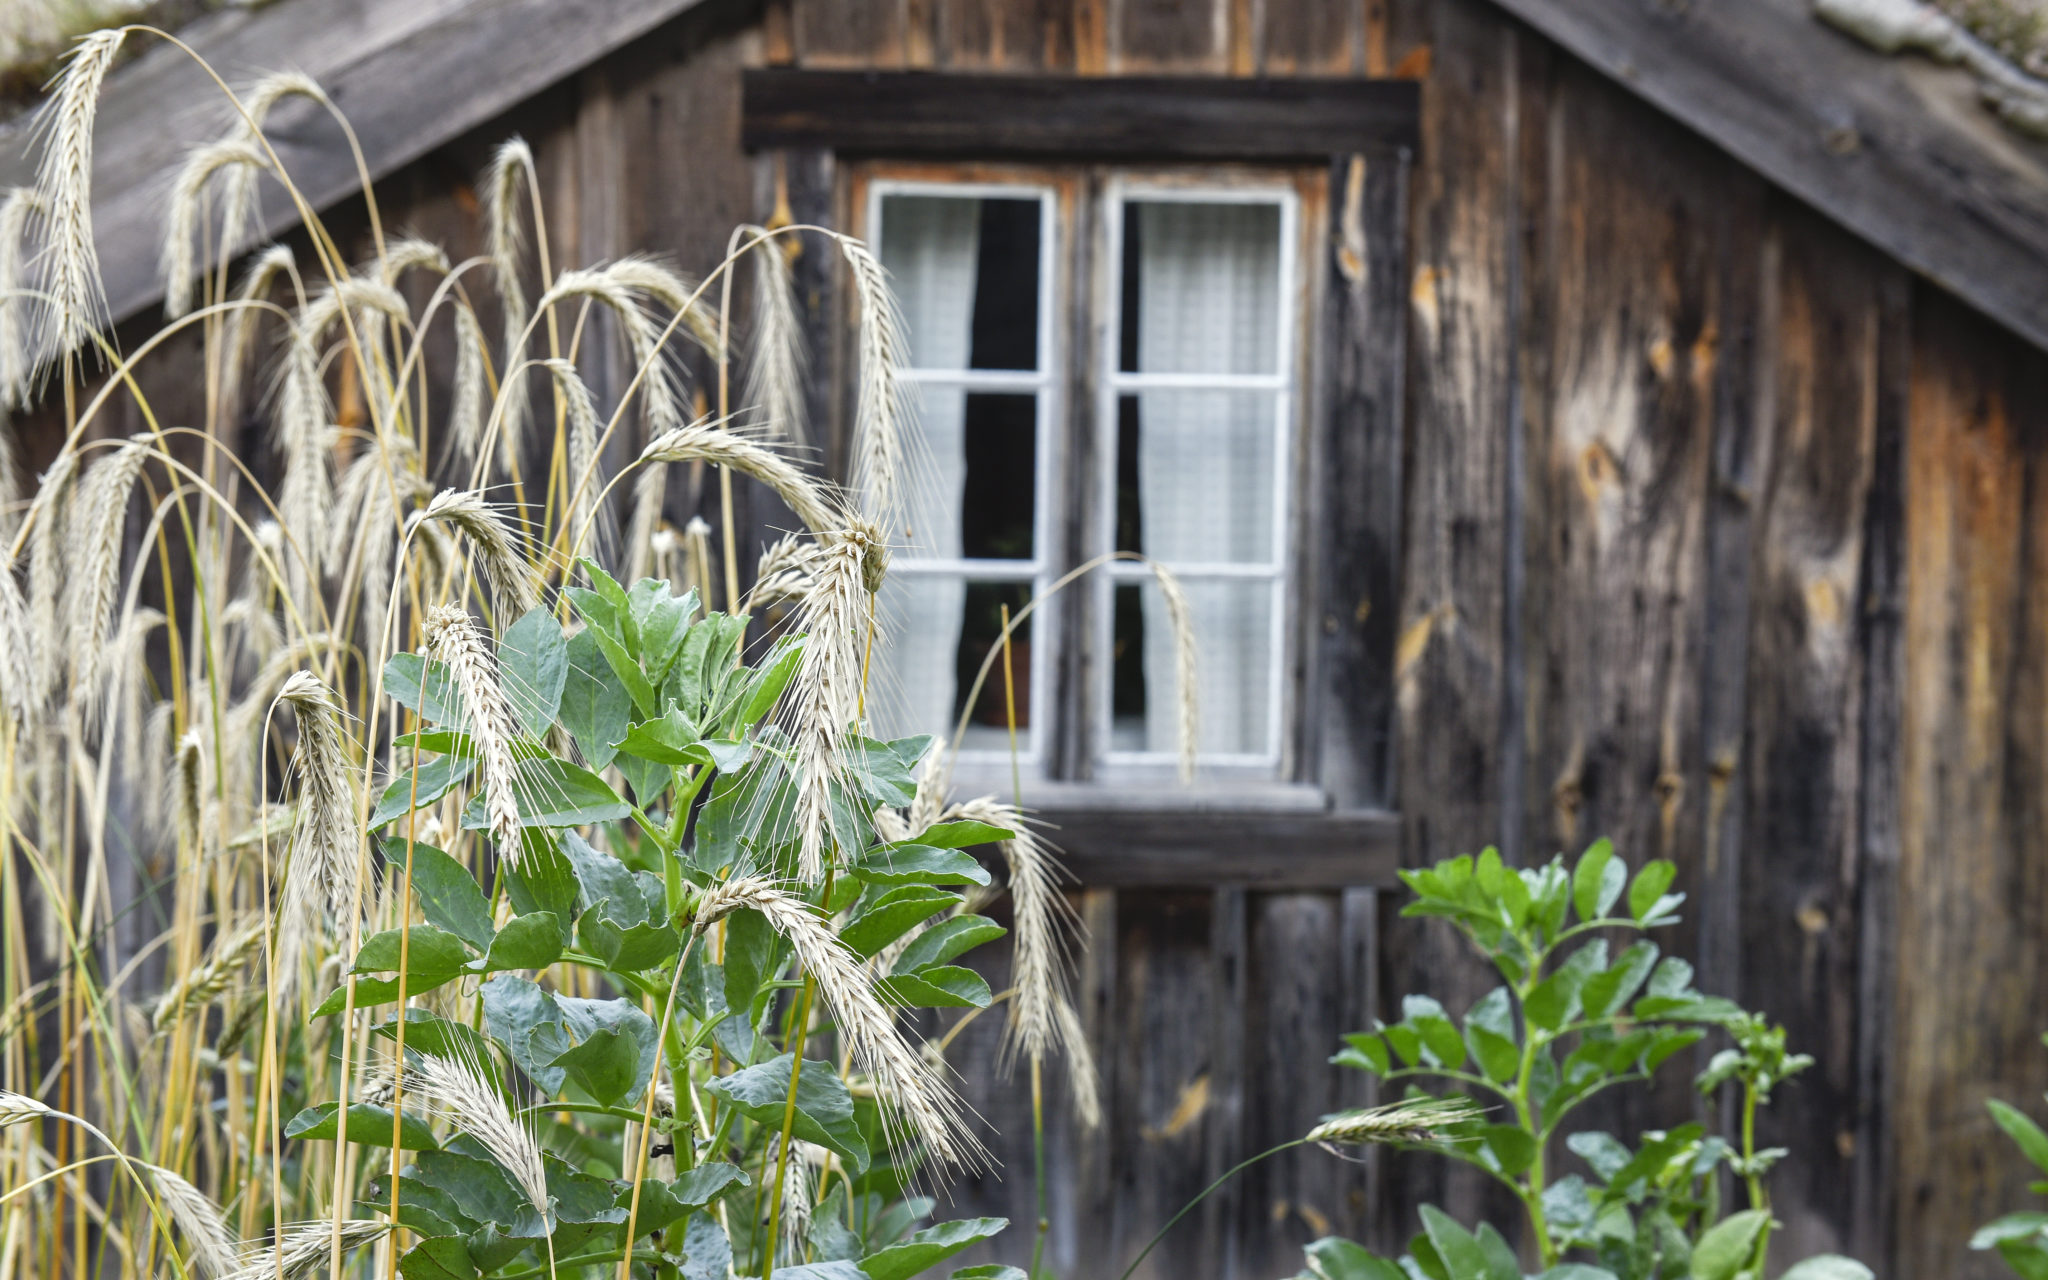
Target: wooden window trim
(1146,119)
(1325,823)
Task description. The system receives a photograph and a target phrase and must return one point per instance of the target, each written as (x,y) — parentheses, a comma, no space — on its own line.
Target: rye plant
(421,857)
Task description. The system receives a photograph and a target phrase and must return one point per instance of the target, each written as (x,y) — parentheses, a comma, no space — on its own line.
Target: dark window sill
(1255,835)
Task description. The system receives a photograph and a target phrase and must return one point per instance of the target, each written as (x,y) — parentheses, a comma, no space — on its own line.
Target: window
(1104,361)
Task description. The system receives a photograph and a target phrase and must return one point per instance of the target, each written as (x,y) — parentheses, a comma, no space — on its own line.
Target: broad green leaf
(770,679)
(1726,1246)
(993,1271)
(622,1062)
(751,947)
(554,793)
(1441,1038)
(1490,1031)
(437,1258)
(423,687)
(1828,1266)
(2033,1143)
(428,952)
(1367,1051)
(544,879)
(426,1033)
(891,915)
(2013,1226)
(824,1109)
(1648,889)
(945,940)
(939,986)
(1512,1149)
(662,1203)
(483,1191)
(627,949)
(669,738)
(1577,1271)
(627,669)
(371,992)
(1597,880)
(1605,993)
(595,705)
(367,1124)
(919,864)
(1607,1156)
(447,892)
(410,791)
(962,835)
(533,662)
(928,1248)
(2028,1260)
(1463,1257)
(707,1254)
(821,1271)
(1335,1258)
(1556,999)
(882,770)
(532,941)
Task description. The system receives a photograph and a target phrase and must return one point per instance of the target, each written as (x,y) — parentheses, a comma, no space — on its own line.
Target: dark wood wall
(1717,534)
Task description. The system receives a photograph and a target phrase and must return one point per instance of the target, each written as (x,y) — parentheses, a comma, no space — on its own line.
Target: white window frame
(1046,385)
(1096,215)
(1113,382)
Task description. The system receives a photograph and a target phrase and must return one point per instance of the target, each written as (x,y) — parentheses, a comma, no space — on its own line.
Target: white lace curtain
(1208,302)
(930,246)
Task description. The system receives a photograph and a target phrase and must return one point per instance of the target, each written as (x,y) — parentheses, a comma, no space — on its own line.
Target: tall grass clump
(398,880)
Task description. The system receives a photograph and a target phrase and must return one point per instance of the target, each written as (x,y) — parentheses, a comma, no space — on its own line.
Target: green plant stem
(1531,1190)
(1038,1164)
(1755,1182)
(1187,1208)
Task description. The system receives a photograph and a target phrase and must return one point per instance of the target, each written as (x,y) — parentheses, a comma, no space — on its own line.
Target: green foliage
(1586,1003)
(592,979)
(2020,1238)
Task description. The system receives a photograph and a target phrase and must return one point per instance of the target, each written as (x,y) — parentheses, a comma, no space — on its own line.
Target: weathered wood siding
(1717,533)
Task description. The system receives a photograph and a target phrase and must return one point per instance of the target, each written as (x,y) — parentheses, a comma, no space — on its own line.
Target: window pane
(1201,287)
(1232,626)
(971,487)
(965,271)
(1195,475)
(935,629)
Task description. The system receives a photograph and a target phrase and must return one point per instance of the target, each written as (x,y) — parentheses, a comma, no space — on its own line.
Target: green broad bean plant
(2021,1237)
(578,983)
(1587,1003)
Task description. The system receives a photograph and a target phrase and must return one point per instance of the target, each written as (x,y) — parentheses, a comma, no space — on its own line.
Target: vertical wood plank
(1308,37)
(1873,1217)
(1624,368)
(1973,851)
(852,33)
(1450,655)
(1176,36)
(1357,488)
(1160,1123)
(1094,1207)
(1798,904)
(1232,1079)
(1294,1014)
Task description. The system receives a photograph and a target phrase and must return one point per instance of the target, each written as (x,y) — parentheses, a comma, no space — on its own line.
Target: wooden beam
(1155,118)
(1107,846)
(409,74)
(1897,150)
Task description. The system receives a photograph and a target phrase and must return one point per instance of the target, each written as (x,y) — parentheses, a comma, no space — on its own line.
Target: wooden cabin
(1598,418)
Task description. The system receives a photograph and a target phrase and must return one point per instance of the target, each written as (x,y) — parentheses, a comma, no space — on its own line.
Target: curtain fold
(1208,302)
(930,247)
